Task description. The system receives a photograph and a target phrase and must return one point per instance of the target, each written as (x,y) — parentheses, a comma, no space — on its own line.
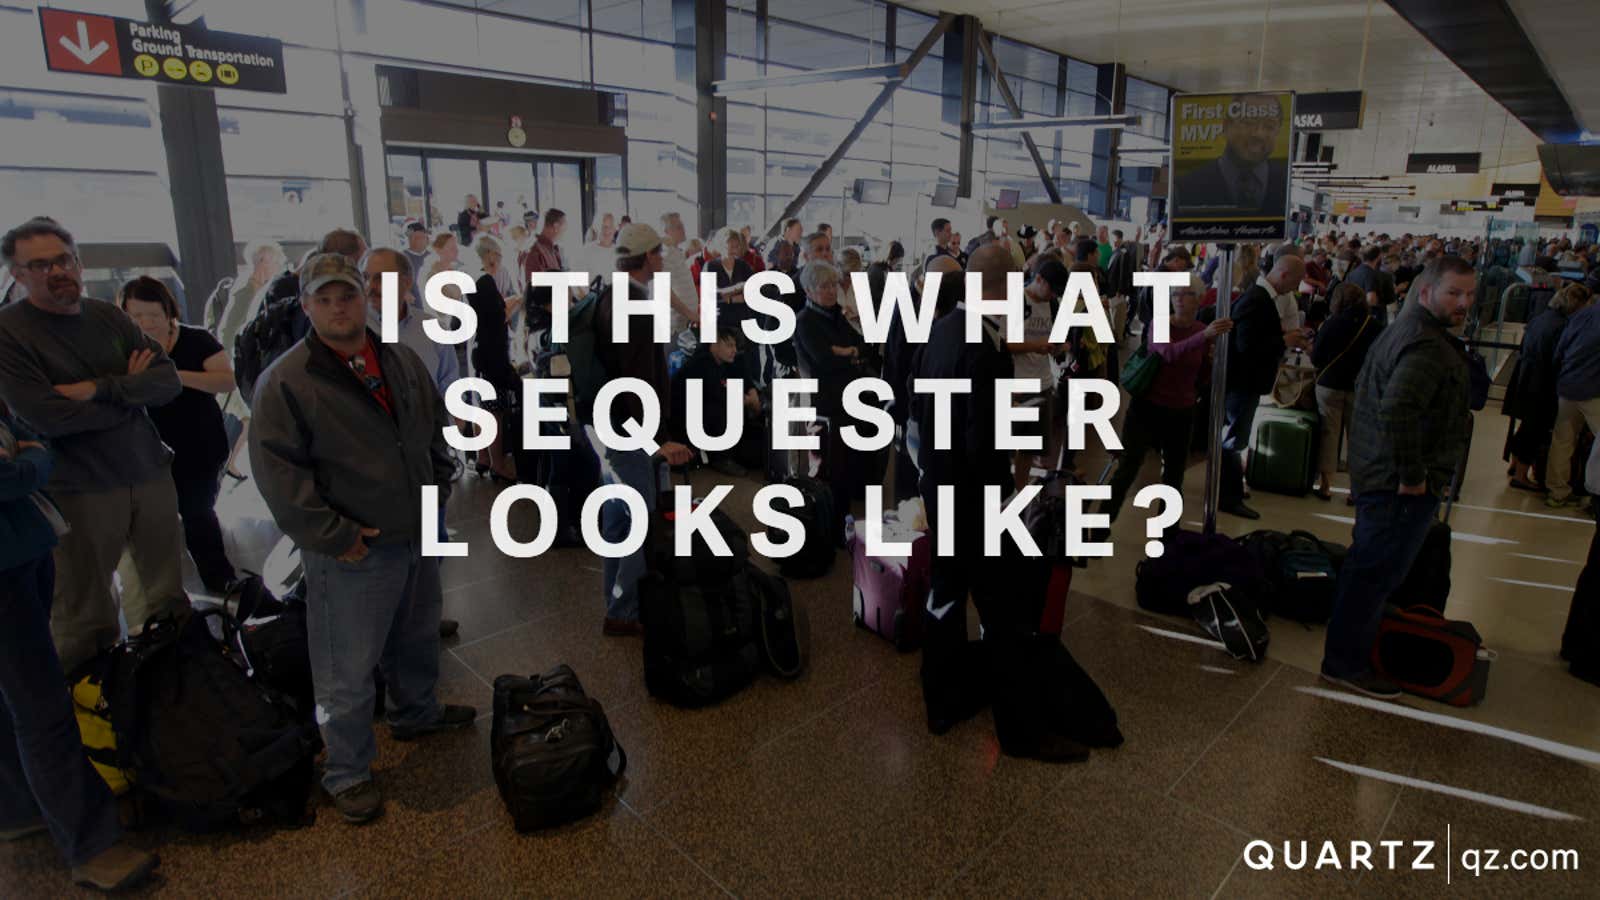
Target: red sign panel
(79,42)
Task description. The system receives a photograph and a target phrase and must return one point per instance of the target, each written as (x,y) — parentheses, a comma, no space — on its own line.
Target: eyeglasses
(66,262)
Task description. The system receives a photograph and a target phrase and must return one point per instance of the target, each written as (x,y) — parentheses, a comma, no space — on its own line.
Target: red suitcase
(890,592)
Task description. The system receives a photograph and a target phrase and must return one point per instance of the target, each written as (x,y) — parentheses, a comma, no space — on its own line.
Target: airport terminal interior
(1419,127)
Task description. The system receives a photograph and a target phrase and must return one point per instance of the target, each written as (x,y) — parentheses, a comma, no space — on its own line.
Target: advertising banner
(1230,157)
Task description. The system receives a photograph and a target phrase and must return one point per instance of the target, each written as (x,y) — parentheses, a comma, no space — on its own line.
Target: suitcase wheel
(859,605)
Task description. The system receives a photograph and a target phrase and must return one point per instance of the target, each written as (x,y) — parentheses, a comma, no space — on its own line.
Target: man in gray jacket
(347,432)
(80,374)
(1408,435)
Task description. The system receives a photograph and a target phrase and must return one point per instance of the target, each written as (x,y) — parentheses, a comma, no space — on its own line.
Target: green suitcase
(1283,451)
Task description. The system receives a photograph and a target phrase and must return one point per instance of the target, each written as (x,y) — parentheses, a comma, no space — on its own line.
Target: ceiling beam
(986,47)
(876,106)
(1052,122)
(884,72)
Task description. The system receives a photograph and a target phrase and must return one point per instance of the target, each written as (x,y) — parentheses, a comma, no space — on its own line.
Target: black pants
(954,671)
(1150,427)
(197,501)
(1531,441)
(1580,642)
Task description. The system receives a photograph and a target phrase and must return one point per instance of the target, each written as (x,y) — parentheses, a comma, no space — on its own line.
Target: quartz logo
(1263,856)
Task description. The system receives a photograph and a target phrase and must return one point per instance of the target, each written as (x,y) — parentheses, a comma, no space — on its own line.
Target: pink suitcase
(890,592)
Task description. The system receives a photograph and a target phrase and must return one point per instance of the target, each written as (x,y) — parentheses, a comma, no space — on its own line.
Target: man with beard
(79,373)
(1244,179)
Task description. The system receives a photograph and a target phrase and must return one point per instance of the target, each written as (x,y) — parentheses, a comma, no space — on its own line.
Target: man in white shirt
(685,293)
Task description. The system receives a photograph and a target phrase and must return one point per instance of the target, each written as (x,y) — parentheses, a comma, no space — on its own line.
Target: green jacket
(1410,420)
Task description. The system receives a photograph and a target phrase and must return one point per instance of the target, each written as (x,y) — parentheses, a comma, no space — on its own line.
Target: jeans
(43,770)
(1571,416)
(381,612)
(1387,537)
(197,488)
(141,519)
(1239,416)
(1150,427)
(620,576)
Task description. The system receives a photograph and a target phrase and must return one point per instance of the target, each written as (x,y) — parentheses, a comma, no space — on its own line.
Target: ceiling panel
(1416,98)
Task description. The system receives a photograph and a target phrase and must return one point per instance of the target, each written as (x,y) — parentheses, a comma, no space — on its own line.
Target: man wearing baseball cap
(639,255)
(352,500)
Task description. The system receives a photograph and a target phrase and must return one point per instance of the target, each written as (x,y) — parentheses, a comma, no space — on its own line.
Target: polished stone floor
(831,785)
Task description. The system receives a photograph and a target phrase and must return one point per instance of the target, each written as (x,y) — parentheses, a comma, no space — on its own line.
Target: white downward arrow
(81,49)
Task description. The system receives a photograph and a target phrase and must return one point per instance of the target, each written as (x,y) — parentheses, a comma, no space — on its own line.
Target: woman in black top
(191,424)
(491,352)
(1341,347)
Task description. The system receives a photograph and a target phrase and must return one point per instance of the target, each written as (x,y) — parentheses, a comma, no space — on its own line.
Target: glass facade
(90,150)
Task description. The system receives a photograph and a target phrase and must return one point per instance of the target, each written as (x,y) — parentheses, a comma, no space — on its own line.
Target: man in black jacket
(955,674)
(713,363)
(1255,347)
(347,432)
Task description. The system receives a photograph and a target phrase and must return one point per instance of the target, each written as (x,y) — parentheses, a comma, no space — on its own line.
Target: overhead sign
(1442,163)
(1230,159)
(1474,205)
(1331,111)
(90,44)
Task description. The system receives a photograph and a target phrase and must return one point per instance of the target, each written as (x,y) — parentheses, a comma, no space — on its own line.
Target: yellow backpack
(99,740)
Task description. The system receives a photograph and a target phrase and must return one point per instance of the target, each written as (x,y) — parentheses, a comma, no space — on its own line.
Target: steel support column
(1111,93)
(711,113)
(198,182)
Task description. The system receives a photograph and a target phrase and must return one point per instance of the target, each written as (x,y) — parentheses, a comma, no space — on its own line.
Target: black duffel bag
(208,748)
(551,749)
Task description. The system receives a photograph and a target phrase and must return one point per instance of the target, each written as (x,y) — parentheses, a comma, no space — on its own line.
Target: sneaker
(1563,503)
(359,803)
(1370,685)
(622,627)
(1240,510)
(451,718)
(725,466)
(21,831)
(116,868)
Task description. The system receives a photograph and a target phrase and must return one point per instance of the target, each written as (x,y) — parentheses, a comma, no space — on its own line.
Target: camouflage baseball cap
(326,268)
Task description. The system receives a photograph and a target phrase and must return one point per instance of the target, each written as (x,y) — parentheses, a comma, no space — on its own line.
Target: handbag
(1139,372)
(1295,387)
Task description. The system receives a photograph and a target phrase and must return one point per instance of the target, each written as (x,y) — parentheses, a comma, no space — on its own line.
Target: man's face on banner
(1253,133)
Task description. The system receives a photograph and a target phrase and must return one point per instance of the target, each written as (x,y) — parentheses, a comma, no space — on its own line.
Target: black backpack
(267,637)
(816,514)
(781,630)
(1302,571)
(551,748)
(208,748)
(276,328)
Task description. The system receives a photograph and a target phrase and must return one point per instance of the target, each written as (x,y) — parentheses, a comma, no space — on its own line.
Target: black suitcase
(1428,581)
(551,748)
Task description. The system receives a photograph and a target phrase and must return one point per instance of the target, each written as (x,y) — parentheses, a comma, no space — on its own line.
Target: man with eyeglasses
(79,373)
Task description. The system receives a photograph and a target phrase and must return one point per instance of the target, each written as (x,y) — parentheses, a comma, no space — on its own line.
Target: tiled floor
(831,785)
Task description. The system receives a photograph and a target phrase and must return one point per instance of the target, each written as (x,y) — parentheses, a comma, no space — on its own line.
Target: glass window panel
(628,63)
(95,207)
(1081,77)
(79,132)
(862,18)
(808,48)
(413,31)
(649,163)
(287,209)
(307,22)
(273,143)
(555,12)
(917,108)
(746,172)
(742,29)
(533,48)
(404,187)
(747,209)
(746,126)
(608,173)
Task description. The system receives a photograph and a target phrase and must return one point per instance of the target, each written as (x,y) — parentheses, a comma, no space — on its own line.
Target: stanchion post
(1219,380)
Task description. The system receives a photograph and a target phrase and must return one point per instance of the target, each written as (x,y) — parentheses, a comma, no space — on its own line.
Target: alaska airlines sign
(1442,163)
(1333,111)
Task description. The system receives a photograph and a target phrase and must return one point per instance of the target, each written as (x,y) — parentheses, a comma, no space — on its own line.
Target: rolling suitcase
(889,591)
(1283,451)
(1428,582)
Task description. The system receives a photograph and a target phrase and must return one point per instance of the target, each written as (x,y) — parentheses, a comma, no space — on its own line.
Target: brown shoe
(622,628)
(117,868)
